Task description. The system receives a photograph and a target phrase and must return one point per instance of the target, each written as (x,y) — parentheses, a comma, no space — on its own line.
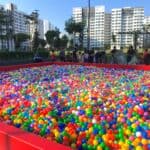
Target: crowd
(78,56)
(115,57)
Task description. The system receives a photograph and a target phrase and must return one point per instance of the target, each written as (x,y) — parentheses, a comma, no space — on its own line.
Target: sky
(58,11)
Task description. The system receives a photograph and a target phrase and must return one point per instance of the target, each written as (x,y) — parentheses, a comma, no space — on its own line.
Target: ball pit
(81,107)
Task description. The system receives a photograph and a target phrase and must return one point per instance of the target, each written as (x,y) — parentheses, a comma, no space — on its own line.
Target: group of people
(115,57)
(78,56)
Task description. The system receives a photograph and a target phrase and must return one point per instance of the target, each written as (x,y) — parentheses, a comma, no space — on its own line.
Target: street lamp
(89,12)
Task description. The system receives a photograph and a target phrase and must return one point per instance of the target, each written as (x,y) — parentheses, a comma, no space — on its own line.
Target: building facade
(99,26)
(124,21)
(6,28)
(146,39)
(47,26)
(22,24)
(19,23)
(19,20)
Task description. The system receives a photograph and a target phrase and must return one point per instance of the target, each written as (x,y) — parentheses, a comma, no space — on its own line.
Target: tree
(81,26)
(106,46)
(57,43)
(20,38)
(73,27)
(64,41)
(114,39)
(42,43)
(51,36)
(35,42)
(71,43)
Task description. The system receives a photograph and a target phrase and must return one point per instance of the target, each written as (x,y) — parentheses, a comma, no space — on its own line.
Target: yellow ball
(19,121)
(133,125)
(138,148)
(137,140)
(104,137)
(47,103)
(34,116)
(90,130)
(121,143)
(54,121)
(144,141)
(41,121)
(99,147)
(73,146)
(128,132)
(135,143)
(56,134)
(95,142)
(126,146)
(123,146)
(74,136)
(15,121)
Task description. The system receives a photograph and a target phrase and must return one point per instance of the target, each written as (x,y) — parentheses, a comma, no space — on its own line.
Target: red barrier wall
(15,67)
(12,138)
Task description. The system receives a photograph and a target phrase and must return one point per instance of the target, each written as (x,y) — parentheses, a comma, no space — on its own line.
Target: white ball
(93,121)
(105,109)
(76,112)
(78,107)
(138,134)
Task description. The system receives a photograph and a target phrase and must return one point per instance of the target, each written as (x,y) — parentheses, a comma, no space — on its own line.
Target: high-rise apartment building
(47,26)
(146,39)
(147,20)
(99,26)
(6,28)
(123,21)
(20,23)
(19,20)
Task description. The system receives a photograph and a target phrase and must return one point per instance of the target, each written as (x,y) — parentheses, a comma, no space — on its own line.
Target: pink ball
(131,138)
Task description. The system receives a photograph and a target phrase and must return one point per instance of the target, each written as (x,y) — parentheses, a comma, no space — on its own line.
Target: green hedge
(21,55)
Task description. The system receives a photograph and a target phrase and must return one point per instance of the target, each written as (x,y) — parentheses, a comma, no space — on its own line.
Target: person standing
(146,57)
(79,57)
(74,55)
(86,56)
(113,52)
(62,55)
(130,54)
(53,56)
(91,56)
